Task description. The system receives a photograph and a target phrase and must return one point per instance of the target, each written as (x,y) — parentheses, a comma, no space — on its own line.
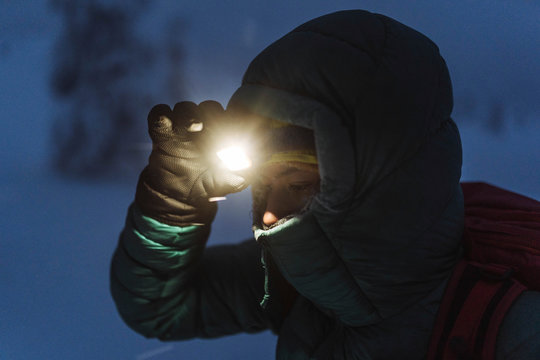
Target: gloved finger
(218,125)
(210,109)
(213,115)
(226,182)
(159,119)
(184,114)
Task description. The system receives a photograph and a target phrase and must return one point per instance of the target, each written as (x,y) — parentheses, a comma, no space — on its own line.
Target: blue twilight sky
(57,236)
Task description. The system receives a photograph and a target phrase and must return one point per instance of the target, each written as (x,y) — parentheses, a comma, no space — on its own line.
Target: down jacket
(370,256)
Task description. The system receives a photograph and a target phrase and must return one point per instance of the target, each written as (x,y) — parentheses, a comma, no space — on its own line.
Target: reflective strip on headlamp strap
(292,156)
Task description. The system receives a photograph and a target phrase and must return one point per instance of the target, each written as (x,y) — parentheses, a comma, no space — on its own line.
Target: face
(288,187)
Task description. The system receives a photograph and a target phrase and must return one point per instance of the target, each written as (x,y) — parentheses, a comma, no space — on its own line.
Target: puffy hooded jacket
(371,254)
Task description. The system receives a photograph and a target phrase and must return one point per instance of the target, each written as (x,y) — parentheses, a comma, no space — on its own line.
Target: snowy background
(57,235)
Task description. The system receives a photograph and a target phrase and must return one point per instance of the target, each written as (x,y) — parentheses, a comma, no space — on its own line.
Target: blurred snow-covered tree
(106,74)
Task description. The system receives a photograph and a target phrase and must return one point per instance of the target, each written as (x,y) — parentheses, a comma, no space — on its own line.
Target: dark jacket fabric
(370,256)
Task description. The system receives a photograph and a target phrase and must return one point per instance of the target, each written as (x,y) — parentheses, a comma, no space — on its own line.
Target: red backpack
(502,259)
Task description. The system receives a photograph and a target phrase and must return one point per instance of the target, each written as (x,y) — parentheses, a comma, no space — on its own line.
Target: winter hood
(385,229)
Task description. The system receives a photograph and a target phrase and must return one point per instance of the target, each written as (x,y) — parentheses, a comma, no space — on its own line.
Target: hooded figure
(360,270)
(376,244)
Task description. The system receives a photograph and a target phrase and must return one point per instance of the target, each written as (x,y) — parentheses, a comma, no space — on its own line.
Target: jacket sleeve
(166,285)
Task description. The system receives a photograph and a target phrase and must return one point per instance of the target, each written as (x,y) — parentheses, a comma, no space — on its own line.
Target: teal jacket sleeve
(166,285)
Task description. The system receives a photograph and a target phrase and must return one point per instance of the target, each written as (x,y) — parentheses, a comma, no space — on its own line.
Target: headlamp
(234,158)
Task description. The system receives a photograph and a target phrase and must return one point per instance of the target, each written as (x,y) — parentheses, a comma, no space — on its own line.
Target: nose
(275,207)
(269,218)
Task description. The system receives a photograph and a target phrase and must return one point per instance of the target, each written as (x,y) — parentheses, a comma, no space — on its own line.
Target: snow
(57,236)
(57,240)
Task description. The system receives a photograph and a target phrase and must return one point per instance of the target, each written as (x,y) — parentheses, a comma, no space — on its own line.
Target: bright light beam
(234,158)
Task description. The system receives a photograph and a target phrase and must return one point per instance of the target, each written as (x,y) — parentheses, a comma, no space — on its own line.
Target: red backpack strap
(502,227)
(475,302)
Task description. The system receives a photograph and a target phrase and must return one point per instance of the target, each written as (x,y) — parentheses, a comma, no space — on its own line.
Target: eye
(299,187)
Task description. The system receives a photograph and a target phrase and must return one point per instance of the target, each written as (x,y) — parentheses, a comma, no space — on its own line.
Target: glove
(182,172)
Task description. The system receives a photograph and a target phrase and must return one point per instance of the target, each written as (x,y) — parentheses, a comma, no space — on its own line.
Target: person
(357,205)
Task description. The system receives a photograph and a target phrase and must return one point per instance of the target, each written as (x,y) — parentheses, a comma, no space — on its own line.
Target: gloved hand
(182,174)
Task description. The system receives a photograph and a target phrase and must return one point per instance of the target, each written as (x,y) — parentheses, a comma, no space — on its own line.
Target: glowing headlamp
(234,158)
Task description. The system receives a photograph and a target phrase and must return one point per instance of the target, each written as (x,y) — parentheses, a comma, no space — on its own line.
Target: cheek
(303,199)
(296,200)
